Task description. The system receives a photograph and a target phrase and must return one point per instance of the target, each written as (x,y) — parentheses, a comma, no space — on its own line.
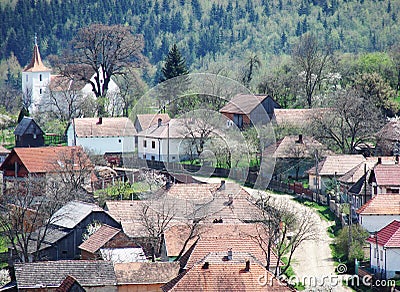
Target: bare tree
(352,120)
(312,61)
(103,51)
(283,230)
(252,65)
(131,87)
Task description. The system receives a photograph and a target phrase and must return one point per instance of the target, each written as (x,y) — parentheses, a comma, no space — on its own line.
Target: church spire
(36,64)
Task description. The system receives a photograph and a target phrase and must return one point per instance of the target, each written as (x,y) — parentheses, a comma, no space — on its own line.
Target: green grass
(323,211)
(289,273)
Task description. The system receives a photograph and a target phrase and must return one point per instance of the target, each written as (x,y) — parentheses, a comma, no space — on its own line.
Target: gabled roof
(98,239)
(146,273)
(36,64)
(387,175)
(28,126)
(173,129)
(245,103)
(381,205)
(388,236)
(103,127)
(148,120)
(216,273)
(296,147)
(70,283)
(299,118)
(49,159)
(338,164)
(73,213)
(52,274)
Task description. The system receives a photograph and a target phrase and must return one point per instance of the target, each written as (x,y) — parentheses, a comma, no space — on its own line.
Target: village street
(312,261)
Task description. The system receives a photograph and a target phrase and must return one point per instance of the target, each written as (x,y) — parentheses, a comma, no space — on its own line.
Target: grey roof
(52,274)
(73,213)
(53,235)
(27,126)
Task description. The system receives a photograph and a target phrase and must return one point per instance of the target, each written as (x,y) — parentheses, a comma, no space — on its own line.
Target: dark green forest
(203,30)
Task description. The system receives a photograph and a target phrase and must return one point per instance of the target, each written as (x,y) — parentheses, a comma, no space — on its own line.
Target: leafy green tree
(349,243)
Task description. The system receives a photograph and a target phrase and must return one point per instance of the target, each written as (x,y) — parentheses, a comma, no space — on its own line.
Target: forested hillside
(204,30)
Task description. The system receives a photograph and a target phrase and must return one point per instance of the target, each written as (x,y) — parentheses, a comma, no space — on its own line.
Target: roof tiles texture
(108,127)
(51,159)
(387,175)
(146,273)
(388,236)
(381,205)
(52,274)
(98,239)
(297,117)
(338,164)
(148,120)
(222,275)
(243,103)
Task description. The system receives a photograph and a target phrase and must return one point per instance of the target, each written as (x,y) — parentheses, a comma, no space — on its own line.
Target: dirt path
(312,260)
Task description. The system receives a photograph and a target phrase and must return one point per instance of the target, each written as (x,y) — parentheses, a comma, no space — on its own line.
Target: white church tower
(35,79)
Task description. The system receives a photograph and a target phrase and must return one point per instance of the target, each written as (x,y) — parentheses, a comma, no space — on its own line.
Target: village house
(28,134)
(145,121)
(102,135)
(226,271)
(385,178)
(45,165)
(98,276)
(144,276)
(296,119)
(294,155)
(330,169)
(245,110)
(379,211)
(110,243)
(385,250)
(66,229)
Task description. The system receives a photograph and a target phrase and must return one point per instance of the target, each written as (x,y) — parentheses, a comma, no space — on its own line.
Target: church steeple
(36,64)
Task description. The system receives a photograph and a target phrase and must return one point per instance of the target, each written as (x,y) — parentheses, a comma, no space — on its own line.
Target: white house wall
(389,260)
(177,149)
(374,223)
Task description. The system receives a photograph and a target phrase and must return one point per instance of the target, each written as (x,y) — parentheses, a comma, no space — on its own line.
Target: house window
(153,144)
(40,77)
(173,157)
(40,91)
(34,136)
(381,255)
(144,143)
(26,78)
(144,156)
(153,157)
(119,140)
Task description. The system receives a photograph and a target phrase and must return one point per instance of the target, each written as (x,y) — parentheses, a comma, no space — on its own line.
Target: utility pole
(317,174)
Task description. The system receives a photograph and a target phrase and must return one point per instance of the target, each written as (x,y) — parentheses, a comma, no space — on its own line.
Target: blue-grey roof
(73,213)
(28,126)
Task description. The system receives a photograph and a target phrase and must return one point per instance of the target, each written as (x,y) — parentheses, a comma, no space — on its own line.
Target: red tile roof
(215,273)
(381,205)
(388,236)
(98,239)
(49,159)
(338,164)
(387,175)
(146,272)
(297,117)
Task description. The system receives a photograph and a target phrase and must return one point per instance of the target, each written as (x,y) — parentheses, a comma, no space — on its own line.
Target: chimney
(229,254)
(247,268)
(205,265)
(159,122)
(301,138)
(222,186)
(379,160)
(100,121)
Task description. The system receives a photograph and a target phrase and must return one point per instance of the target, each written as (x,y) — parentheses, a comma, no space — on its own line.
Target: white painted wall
(177,151)
(388,260)
(31,84)
(101,145)
(373,223)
